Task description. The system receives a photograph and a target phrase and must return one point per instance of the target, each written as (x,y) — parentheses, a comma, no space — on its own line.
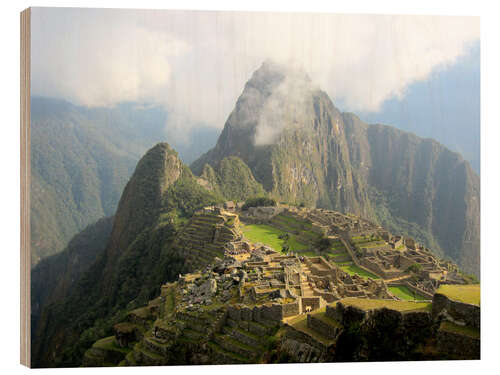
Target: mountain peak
(272,73)
(158,169)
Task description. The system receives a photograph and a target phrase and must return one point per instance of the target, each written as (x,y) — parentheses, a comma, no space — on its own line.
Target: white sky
(195,63)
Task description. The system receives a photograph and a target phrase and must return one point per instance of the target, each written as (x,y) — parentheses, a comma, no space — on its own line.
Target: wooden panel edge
(25,170)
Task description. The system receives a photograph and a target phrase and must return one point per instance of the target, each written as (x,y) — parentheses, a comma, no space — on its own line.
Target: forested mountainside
(81,160)
(232,179)
(53,277)
(301,148)
(140,253)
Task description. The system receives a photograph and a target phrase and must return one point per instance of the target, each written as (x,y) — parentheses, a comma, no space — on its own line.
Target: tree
(324,244)
(414,268)
(259,202)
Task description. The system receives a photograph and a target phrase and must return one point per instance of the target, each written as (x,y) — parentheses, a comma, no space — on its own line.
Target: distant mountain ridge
(316,155)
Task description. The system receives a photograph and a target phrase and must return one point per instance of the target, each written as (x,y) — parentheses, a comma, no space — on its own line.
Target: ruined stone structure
(232,306)
(376,250)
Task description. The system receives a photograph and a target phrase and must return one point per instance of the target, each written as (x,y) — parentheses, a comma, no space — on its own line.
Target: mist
(195,63)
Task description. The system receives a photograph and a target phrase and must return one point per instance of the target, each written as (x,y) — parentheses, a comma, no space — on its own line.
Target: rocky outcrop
(455,311)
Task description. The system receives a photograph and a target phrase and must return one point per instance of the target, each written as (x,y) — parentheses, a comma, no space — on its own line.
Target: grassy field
(369,304)
(352,270)
(405,293)
(269,236)
(170,301)
(461,330)
(462,293)
(109,343)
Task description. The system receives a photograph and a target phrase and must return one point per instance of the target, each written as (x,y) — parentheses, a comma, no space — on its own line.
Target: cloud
(100,58)
(290,104)
(196,63)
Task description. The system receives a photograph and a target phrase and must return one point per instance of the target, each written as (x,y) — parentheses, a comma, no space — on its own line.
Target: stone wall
(459,311)
(405,262)
(271,312)
(291,309)
(376,248)
(456,346)
(377,269)
(346,314)
(326,330)
(324,268)
(327,296)
(314,302)
(294,334)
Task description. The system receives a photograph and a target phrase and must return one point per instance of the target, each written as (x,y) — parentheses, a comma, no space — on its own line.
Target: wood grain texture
(25,148)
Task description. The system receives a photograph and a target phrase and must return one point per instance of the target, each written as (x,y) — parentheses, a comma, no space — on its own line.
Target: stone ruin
(297,284)
(260,274)
(388,256)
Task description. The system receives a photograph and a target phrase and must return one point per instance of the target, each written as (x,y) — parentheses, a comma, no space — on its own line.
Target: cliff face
(291,136)
(424,183)
(304,150)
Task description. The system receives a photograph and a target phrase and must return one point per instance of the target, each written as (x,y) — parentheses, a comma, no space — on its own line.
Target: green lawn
(296,245)
(352,269)
(336,255)
(462,293)
(405,293)
(369,304)
(268,235)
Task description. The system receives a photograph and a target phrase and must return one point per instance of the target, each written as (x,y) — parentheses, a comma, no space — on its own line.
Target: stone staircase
(305,287)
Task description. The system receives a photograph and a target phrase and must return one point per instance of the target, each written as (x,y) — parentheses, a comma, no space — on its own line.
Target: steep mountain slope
(53,277)
(141,254)
(304,150)
(428,185)
(81,161)
(232,179)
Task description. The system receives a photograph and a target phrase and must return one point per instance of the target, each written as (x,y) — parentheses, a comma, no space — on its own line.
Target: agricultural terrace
(405,293)
(270,236)
(461,330)
(352,270)
(370,304)
(462,293)
(302,230)
(367,241)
